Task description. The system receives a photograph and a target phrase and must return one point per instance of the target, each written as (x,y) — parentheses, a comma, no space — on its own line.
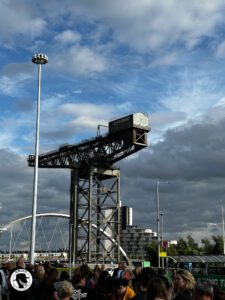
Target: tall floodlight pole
(157,219)
(39,59)
(161,214)
(223,231)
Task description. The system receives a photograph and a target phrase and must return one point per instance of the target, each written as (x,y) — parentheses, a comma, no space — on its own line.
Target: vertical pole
(35,180)
(10,242)
(223,231)
(158,237)
(70,249)
(118,218)
(98,211)
(89,217)
(73,217)
(162,238)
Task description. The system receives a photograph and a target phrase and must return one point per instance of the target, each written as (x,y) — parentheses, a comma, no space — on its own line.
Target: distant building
(133,239)
(126,216)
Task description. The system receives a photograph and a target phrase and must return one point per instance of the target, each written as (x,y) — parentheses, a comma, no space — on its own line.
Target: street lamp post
(161,214)
(223,230)
(157,202)
(39,59)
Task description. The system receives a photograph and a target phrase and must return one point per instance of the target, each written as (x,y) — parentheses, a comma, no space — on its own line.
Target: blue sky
(109,59)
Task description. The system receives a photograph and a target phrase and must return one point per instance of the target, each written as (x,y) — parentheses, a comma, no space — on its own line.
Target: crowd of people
(98,284)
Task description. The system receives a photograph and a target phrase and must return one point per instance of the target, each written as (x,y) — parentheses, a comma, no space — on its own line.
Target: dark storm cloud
(189,153)
(16,188)
(192,159)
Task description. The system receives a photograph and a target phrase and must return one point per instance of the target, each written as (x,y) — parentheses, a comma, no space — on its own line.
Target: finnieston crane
(95,186)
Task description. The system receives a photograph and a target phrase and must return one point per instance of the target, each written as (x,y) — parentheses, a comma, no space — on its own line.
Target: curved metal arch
(66,216)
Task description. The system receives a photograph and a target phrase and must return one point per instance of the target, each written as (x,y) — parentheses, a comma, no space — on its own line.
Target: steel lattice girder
(97,202)
(101,151)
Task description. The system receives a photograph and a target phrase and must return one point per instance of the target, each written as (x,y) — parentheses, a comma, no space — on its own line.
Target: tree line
(188,246)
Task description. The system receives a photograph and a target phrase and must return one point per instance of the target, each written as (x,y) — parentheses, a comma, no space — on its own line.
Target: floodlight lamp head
(40,59)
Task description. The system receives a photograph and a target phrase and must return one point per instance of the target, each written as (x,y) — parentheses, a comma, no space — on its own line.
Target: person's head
(97,268)
(128,274)
(30,267)
(67,290)
(146,274)
(157,289)
(183,280)
(11,265)
(203,290)
(52,275)
(102,277)
(78,278)
(85,270)
(122,266)
(96,272)
(21,262)
(64,276)
(137,270)
(109,289)
(47,266)
(120,286)
(39,272)
(218,293)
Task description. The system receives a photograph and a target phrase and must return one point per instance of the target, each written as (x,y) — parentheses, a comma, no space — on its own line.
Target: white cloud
(82,61)
(11,86)
(6,138)
(162,121)
(19,18)
(165,60)
(151,25)
(68,37)
(192,93)
(220,51)
(88,110)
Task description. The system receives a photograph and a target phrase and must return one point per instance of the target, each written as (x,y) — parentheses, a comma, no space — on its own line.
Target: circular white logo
(21,280)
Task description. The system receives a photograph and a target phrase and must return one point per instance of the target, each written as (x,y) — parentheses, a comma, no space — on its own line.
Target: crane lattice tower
(95,186)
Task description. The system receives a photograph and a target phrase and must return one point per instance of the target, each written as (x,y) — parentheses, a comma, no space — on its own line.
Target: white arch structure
(60,215)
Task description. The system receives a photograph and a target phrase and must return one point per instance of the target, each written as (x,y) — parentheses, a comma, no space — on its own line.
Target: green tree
(207,247)
(182,247)
(172,250)
(152,251)
(193,248)
(218,244)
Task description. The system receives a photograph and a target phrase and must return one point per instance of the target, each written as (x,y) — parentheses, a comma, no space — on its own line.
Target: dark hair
(64,276)
(146,275)
(166,281)
(203,288)
(120,282)
(108,291)
(77,276)
(85,270)
(157,288)
(102,277)
(52,275)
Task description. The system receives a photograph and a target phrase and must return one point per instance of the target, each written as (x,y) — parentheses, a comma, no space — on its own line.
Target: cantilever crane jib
(126,136)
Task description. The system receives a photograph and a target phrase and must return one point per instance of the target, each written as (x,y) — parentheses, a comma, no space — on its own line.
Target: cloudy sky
(108,59)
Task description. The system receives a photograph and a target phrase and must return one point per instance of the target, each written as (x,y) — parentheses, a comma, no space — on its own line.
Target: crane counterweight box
(136,120)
